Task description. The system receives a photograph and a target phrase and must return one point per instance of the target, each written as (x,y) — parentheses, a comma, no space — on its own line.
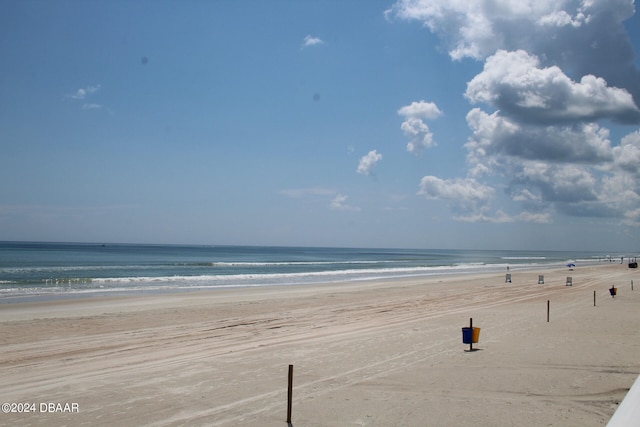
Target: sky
(488,124)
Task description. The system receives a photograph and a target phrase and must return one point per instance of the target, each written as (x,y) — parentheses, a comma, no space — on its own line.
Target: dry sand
(372,353)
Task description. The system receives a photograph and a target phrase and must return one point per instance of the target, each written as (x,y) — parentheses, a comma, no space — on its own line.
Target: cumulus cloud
(421,109)
(516,84)
(555,73)
(368,162)
(479,28)
(632,218)
(456,189)
(587,37)
(468,197)
(414,127)
(309,40)
(560,183)
(496,135)
(570,170)
(627,154)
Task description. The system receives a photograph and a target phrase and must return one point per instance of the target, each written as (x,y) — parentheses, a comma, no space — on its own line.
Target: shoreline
(384,352)
(152,292)
(45,296)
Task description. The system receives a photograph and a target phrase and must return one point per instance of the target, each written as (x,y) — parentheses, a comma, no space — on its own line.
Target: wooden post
(632,285)
(594,298)
(547,311)
(290,394)
(471,326)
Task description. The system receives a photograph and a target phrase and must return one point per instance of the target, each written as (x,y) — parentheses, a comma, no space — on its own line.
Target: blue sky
(503,124)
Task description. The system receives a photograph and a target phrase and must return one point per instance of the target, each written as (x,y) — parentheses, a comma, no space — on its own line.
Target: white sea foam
(348,274)
(292,263)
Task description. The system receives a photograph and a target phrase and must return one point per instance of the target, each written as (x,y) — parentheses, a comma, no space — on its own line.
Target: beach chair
(540,279)
(569,281)
(508,278)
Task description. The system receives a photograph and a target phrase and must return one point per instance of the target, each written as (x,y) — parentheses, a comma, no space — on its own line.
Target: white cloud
(571,189)
(585,36)
(632,218)
(554,70)
(620,191)
(368,162)
(419,134)
(516,84)
(627,154)
(498,217)
(540,218)
(479,28)
(433,187)
(83,92)
(469,198)
(560,18)
(420,110)
(475,28)
(560,183)
(494,135)
(339,203)
(311,41)
(526,196)
(414,128)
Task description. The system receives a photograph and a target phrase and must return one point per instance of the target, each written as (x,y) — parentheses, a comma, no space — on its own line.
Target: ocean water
(52,270)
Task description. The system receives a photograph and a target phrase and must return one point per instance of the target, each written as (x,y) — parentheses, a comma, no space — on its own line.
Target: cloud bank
(555,74)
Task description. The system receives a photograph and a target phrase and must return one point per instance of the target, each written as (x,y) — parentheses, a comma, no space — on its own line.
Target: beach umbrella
(571,264)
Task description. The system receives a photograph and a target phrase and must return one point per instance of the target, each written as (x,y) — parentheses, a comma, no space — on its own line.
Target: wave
(286,263)
(252,277)
(387,272)
(177,282)
(69,268)
(160,266)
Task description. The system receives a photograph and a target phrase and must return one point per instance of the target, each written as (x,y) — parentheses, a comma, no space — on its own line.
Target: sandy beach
(377,353)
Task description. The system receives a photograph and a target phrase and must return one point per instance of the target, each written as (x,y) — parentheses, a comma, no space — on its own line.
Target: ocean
(30,270)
